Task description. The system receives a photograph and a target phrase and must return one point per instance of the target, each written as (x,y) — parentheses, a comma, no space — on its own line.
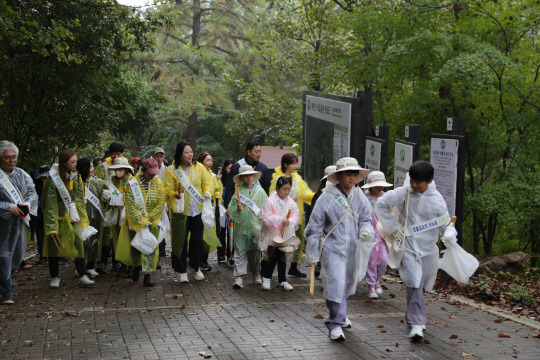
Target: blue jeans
(6,286)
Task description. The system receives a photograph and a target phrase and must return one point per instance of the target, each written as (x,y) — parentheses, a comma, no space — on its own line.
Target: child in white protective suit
(343,215)
(426,214)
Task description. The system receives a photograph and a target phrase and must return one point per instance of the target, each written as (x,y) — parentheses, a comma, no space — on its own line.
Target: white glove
(73,213)
(366,236)
(106,195)
(450,234)
(207,195)
(399,234)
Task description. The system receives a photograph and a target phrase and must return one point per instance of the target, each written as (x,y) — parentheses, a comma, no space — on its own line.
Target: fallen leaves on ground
(319,316)
(453,336)
(503,335)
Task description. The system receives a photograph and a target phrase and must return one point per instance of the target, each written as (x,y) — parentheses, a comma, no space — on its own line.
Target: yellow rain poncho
(120,184)
(247,224)
(210,237)
(94,244)
(135,221)
(57,220)
(200,178)
(299,188)
(105,232)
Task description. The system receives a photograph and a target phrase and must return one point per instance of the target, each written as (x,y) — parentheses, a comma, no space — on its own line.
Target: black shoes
(136,273)
(205,267)
(148,280)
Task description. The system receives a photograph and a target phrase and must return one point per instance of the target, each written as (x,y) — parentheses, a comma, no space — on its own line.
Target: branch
(175,38)
(521,95)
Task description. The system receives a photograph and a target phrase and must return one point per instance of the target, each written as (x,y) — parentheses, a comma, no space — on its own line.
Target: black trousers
(275,256)
(36,223)
(194,230)
(54,266)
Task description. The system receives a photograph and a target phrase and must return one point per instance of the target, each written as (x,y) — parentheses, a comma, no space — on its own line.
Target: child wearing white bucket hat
(375,183)
(341,220)
(244,210)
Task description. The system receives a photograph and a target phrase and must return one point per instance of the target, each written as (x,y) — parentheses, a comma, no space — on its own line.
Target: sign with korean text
(444,159)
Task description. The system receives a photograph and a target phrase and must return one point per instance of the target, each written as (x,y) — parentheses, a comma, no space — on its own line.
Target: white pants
(247,259)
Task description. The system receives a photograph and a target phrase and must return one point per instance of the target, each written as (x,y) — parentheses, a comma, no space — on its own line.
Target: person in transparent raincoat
(187,223)
(153,194)
(12,230)
(344,213)
(420,259)
(62,234)
(300,193)
(247,256)
(93,245)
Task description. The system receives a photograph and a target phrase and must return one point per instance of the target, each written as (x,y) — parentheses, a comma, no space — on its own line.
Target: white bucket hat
(121,163)
(376,178)
(328,170)
(347,164)
(246,170)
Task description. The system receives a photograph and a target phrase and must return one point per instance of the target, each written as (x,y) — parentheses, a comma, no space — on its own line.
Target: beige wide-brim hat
(376,178)
(290,245)
(121,163)
(347,164)
(328,170)
(246,170)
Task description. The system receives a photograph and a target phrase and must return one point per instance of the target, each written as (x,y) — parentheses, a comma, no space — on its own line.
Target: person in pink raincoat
(375,183)
(274,217)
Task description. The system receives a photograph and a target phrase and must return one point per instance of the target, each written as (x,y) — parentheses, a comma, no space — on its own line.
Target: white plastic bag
(222,215)
(122,216)
(73,213)
(363,252)
(117,199)
(145,241)
(88,232)
(458,263)
(208,216)
(179,205)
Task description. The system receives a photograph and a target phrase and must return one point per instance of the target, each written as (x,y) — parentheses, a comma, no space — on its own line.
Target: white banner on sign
(338,113)
(373,155)
(403,159)
(444,153)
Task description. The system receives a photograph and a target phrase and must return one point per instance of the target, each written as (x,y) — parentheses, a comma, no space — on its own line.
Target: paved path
(120,320)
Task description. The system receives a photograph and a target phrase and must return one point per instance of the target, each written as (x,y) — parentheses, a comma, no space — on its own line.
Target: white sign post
(403,159)
(373,155)
(444,158)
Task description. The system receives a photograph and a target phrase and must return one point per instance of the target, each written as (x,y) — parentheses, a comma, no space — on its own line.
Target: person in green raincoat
(300,193)
(185,200)
(211,240)
(65,217)
(95,206)
(123,172)
(246,215)
(153,195)
(102,172)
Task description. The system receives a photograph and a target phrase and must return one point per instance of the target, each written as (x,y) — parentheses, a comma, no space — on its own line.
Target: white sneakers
(84,281)
(92,273)
(286,286)
(266,283)
(378,289)
(337,334)
(239,283)
(183,278)
(417,332)
(347,324)
(372,294)
(198,275)
(55,283)
(257,278)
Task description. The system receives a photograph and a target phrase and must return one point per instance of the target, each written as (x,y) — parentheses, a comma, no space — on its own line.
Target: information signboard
(403,159)
(373,155)
(444,158)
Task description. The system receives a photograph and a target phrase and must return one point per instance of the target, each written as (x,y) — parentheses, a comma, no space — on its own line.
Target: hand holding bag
(145,241)
(208,215)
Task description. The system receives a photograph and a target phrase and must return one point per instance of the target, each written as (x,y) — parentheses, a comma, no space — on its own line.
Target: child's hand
(297,198)
(239,207)
(178,194)
(286,222)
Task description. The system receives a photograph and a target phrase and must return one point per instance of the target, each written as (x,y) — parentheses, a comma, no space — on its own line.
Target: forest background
(82,73)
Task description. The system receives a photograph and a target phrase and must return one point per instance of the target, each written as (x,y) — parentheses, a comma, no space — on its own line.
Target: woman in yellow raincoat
(153,195)
(64,214)
(187,183)
(301,193)
(211,240)
(123,172)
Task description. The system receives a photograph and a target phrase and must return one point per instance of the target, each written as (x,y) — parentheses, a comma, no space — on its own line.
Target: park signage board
(403,159)
(373,154)
(444,158)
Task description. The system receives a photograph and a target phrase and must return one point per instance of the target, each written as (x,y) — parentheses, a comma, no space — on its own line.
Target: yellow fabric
(155,201)
(100,170)
(57,221)
(199,177)
(302,189)
(120,184)
(218,188)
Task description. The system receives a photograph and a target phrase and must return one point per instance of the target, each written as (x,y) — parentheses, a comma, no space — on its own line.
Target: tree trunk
(192,130)
(196,29)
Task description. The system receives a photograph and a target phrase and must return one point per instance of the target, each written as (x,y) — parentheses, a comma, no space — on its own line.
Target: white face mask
(120,173)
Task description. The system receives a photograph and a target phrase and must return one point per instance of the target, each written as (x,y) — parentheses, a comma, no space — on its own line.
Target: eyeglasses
(10,158)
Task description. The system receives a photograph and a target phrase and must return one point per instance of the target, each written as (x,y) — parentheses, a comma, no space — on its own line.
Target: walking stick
(312,280)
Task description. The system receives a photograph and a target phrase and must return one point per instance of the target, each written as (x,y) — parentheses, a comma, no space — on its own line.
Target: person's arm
(229,188)
(154,215)
(133,211)
(306,193)
(314,230)
(383,208)
(270,216)
(365,229)
(49,205)
(294,219)
(79,202)
(207,185)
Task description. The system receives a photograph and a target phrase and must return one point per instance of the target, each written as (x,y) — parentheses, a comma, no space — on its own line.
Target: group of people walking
(94,211)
